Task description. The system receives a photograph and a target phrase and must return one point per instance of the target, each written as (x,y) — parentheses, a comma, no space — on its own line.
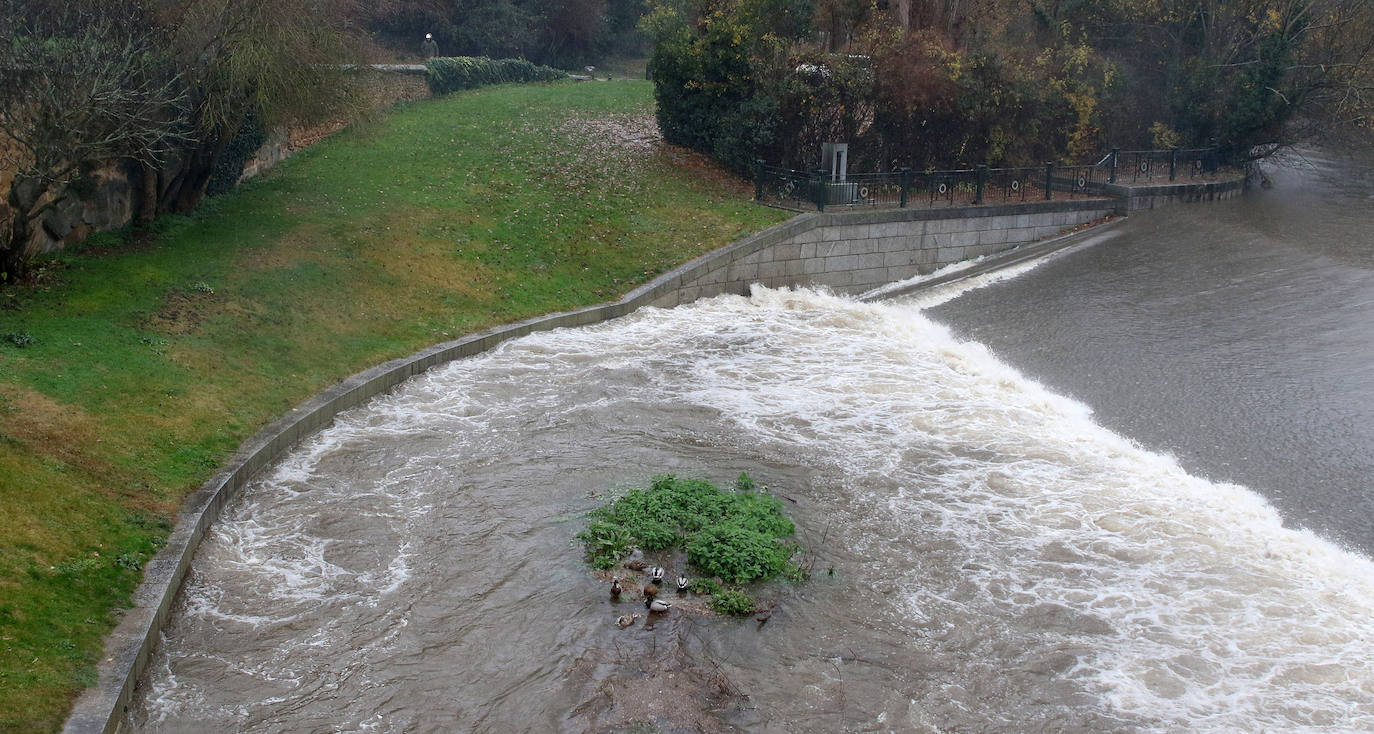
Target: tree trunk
(14,261)
(25,191)
(147,203)
(188,188)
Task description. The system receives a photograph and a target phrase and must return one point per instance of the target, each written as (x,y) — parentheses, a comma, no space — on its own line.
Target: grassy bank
(133,369)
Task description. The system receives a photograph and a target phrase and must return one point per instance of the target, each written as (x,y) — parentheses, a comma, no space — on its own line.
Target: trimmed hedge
(455,73)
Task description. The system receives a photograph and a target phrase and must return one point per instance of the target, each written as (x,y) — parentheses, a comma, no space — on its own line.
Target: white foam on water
(1211,615)
(940,272)
(1181,601)
(1199,608)
(938,294)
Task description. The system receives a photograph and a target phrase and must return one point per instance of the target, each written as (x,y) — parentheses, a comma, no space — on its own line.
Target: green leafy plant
(606,543)
(703,585)
(736,536)
(733,602)
(739,554)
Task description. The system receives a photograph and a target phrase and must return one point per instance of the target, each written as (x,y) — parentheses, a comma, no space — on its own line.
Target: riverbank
(997,557)
(134,369)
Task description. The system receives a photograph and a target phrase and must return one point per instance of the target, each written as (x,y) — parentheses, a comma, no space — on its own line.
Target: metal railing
(1147,165)
(783,187)
(793,189)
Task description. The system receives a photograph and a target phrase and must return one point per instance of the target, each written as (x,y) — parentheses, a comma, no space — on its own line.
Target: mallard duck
(657,606)
(682,583)
(650,591)
(656,574)
(625,620)
(615,586)
(635,564)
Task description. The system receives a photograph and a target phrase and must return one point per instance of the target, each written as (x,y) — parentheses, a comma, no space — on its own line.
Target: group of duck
(650,591)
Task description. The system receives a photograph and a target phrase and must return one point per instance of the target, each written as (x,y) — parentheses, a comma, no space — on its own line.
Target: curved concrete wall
(856,251)
(1134,198)
(809,249)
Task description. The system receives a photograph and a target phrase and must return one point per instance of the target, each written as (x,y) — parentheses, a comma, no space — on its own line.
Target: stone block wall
(854,252)
(1137,198)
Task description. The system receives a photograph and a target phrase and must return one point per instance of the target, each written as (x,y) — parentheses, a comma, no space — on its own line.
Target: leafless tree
(283,61)
(80,83)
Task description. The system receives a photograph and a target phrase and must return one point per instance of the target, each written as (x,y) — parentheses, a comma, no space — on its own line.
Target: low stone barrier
(1135,198)
(856,251)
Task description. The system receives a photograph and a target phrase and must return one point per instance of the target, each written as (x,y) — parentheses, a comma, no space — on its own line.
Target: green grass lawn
(135,366)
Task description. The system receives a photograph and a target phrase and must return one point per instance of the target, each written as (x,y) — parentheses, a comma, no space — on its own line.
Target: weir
(854,250)
(849,252)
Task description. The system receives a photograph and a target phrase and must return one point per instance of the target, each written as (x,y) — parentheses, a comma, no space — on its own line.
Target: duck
(650,591)
(635,564)
(656,574)
(615,586)
(682,583)
(657,606)
(625,620)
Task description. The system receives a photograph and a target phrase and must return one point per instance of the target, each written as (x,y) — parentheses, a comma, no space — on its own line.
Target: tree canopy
(925,83)
(562,34)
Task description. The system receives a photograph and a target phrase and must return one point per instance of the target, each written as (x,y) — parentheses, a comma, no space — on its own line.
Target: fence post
(1173,163)
(1049,180)
(1111,177)
(906,184)
(758,179)
(982,175)
(818,189)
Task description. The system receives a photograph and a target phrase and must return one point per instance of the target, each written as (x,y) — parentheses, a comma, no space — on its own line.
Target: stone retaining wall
(853,252)
(1135,198)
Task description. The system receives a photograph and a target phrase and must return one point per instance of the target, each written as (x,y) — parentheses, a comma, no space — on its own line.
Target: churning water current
(1000,561)
(1238,337)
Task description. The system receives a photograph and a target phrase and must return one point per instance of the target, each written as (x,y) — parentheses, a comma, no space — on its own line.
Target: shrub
(702,585)
(606,543)
(739,554)
(455,73)
(733,602)
(733,535)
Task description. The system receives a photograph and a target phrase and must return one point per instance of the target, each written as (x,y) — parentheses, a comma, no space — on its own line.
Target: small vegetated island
(709,547)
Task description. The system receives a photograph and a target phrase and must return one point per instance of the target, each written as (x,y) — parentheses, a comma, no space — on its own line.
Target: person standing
(429,49)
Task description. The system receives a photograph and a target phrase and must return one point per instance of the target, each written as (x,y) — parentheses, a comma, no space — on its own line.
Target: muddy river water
(986,555)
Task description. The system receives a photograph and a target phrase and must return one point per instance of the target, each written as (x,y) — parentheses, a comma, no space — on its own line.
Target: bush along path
(456,73)
(693,545)
(135,365)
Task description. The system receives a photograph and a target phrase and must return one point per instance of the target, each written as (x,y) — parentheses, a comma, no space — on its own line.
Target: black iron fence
(794,189)
(1148,165)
